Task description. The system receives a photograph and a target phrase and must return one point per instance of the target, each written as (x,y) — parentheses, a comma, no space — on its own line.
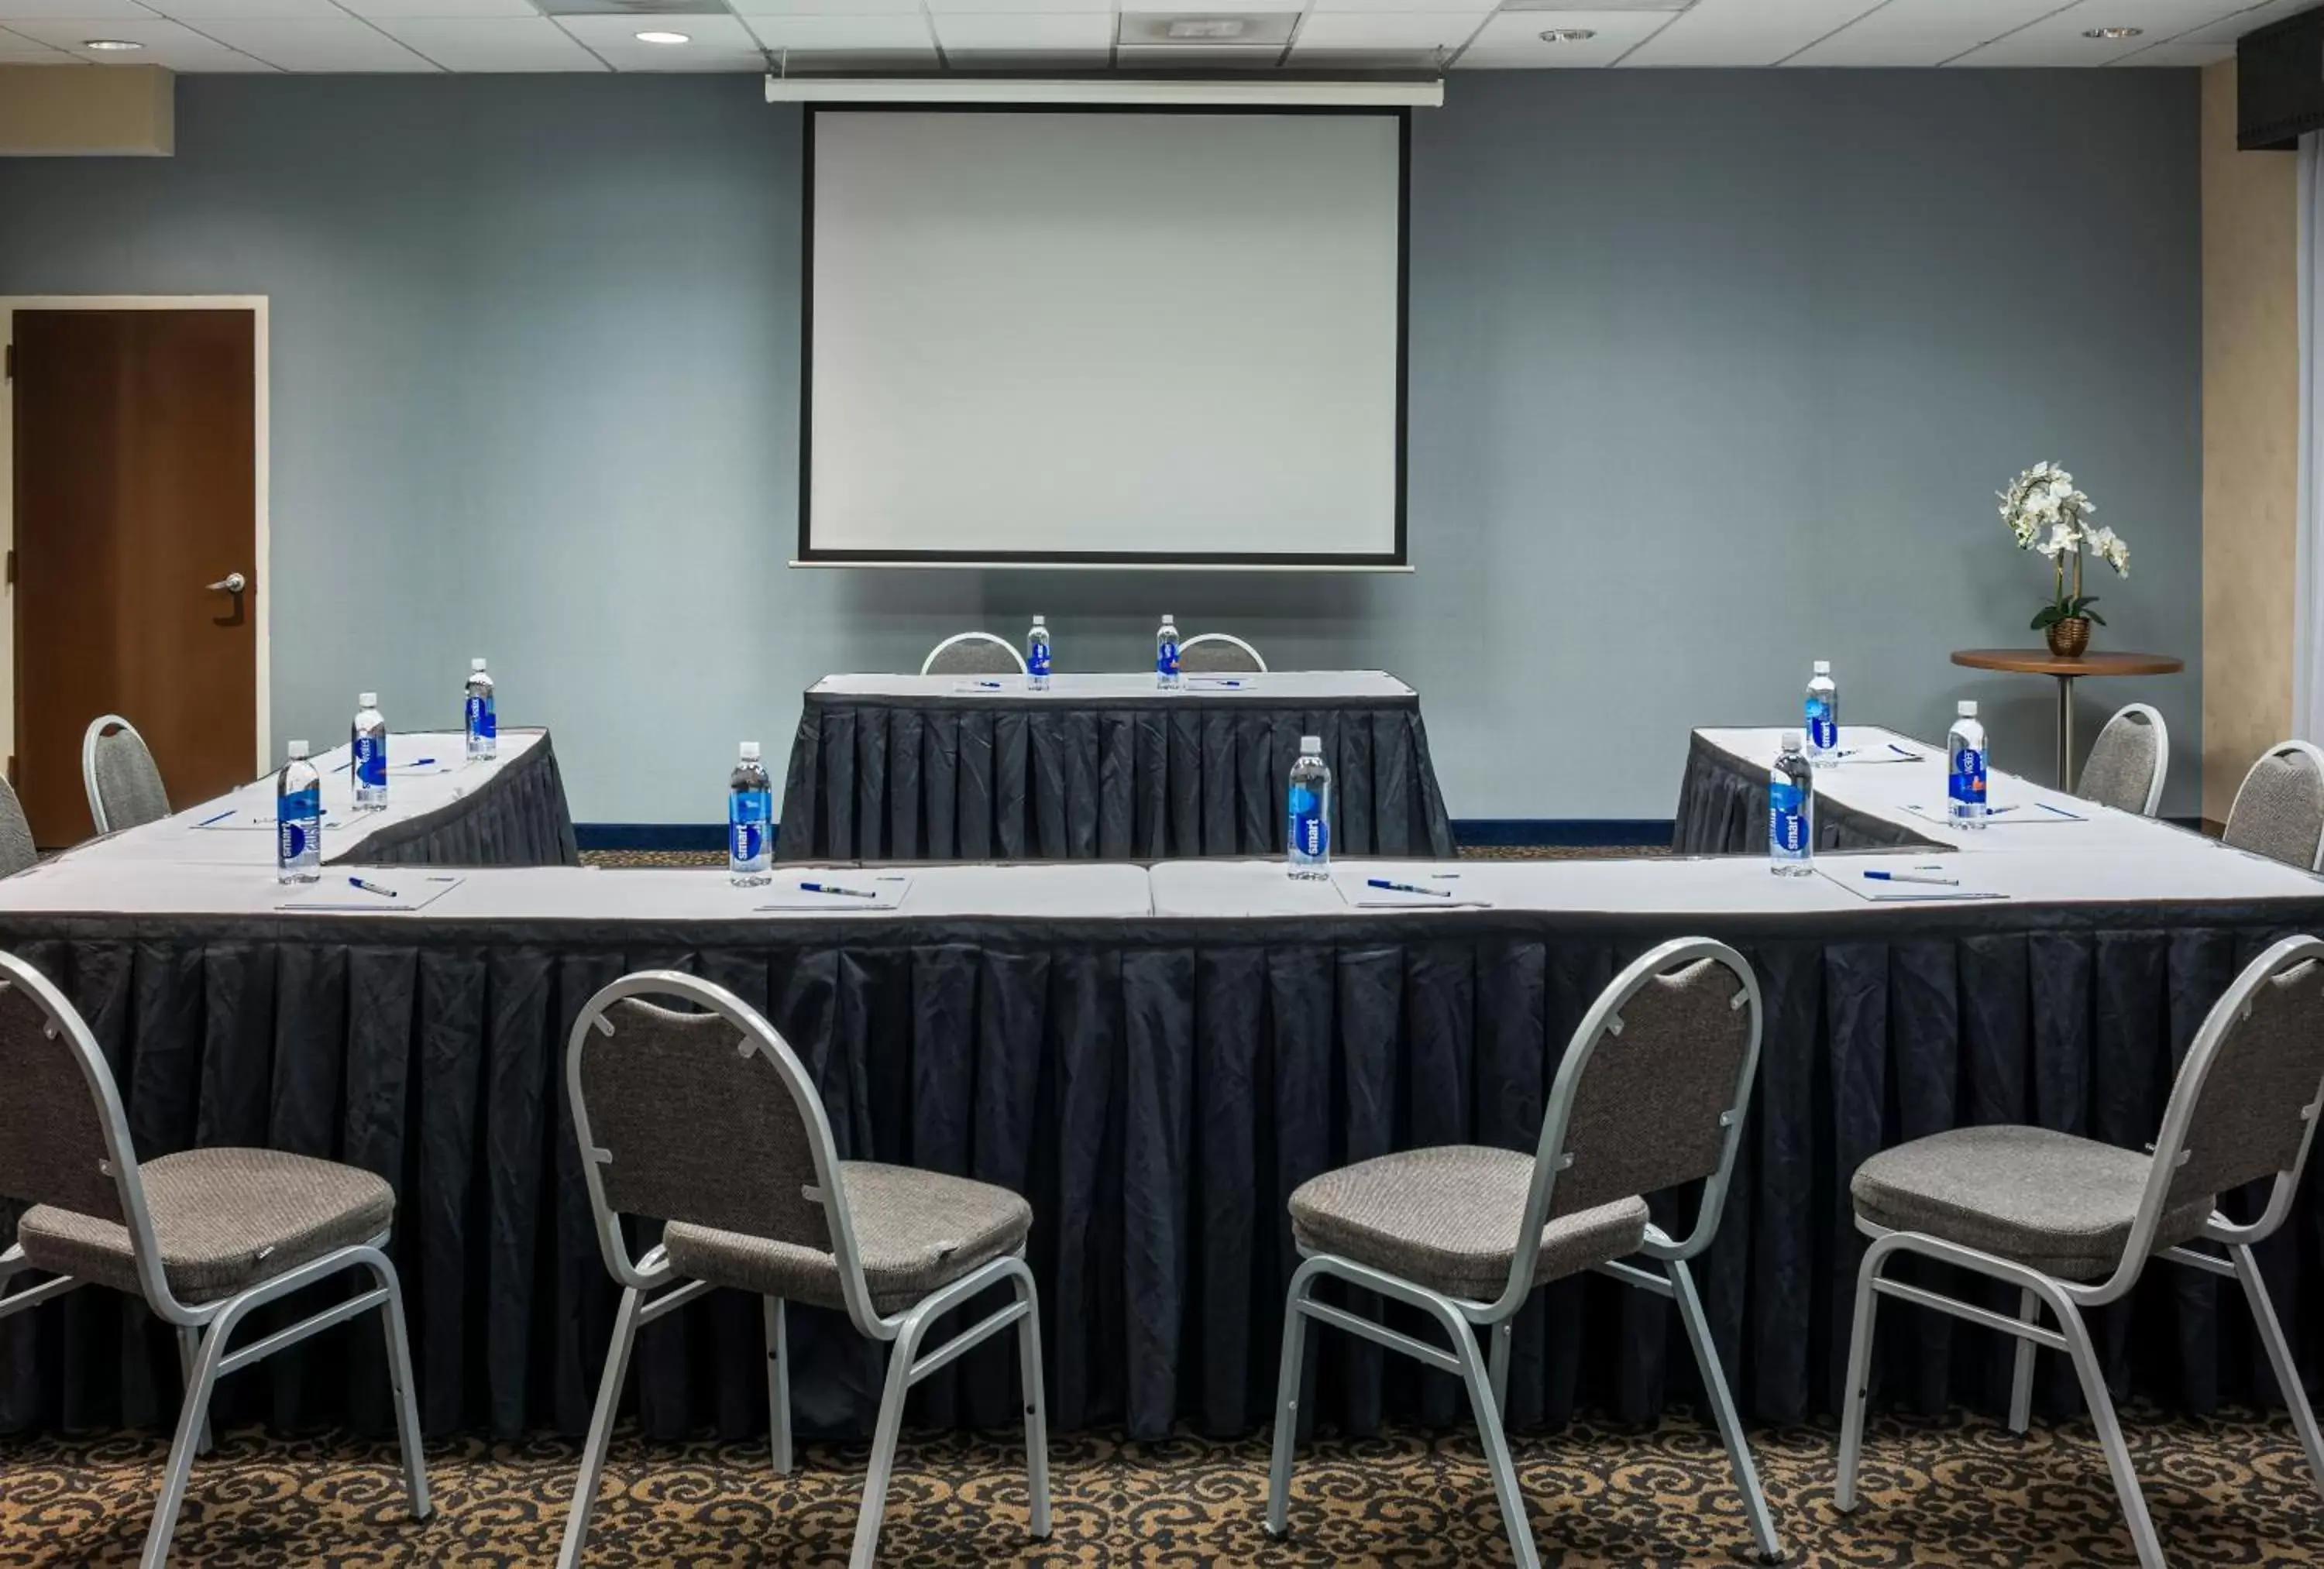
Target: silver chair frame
(959,638)
(1486,1377)
(643,1277)
(2153,717)
(204,1328)
(1256,658)
(2315,755)
(2067,1300)
(98,728)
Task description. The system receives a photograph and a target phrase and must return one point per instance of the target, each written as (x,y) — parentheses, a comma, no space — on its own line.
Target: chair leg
(2102,1416)
(2021,1374)
(191,1419)
(600,1428)
(1857,1394)
(779,1382)
(403,1388)
(189,1347)
(1722,1407)
(1286,1405)
(884,1443)
(1502,1333)
(1494,1440)
(2279,1357)
(1037,1412)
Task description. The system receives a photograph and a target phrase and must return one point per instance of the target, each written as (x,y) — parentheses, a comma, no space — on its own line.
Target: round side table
(2042,662)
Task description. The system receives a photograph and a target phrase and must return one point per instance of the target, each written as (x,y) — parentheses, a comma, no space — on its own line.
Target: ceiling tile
(448,9)
(713,43)
(1361,30)
(198,11)
(1512,39)
(849,34)
(1015,7)
(1371,60)
(2179,54)
(1921,32)
(2228,29)
(316,43)
(2056,40)
(827,7)
(498,43)
(1170,56)
(167,43)
(1746,32)
(72,10)
(1034,32)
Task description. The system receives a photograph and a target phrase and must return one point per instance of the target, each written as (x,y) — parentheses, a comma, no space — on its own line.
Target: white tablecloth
(1277,687)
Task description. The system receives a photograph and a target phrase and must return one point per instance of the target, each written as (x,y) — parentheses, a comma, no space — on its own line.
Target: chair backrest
(2279,809)
(2248,1097)
(1220,651)
(2127,762)
(974,654)
(17,848)
(124,787)
(1651,1093)
(704,1116)
(64,1140)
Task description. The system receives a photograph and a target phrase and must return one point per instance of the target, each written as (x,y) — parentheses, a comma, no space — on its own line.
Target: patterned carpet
(1963,1491)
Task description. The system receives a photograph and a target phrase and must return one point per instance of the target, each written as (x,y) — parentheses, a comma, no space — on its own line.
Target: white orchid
(2062,539)
(2108,547)
(2046,512)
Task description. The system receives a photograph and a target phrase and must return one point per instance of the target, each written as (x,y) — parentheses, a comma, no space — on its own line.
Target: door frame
(262,592)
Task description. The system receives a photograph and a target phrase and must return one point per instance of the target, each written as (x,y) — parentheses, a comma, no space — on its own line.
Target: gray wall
(1712,372)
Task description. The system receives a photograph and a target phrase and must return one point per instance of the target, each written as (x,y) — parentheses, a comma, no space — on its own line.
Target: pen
(1218,682)
(994,685)
(221,817)
(1997,811)
(1406,887)
(1904,751)
(836,888)
(371,887)
(417,763)
(1912,877)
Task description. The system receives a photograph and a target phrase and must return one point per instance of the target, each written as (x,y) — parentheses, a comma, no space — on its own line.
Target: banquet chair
(707,1122)
(1651,1095)
(2127,762)
(974,654)
(2279,809)
(2071,1222)
(205,1236)
(17,848)
(124,787)
(1219,652)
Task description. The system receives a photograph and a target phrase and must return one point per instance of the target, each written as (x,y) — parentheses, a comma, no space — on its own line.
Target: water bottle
(298,819)
(1965,768)
(1791,810)
(1037,656)
(369,766)
(749,814)
(1310,815)
(484,725)
(1823,716)
(1166,655)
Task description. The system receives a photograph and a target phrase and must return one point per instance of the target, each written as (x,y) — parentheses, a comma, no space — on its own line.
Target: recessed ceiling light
(1569,35)
(1207,28)
(110,45)
(2112,34)
(663,38)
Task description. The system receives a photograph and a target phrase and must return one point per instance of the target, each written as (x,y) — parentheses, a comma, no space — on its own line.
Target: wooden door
(135,493)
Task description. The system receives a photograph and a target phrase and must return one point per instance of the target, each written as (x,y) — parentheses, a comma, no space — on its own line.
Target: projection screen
(1043,337)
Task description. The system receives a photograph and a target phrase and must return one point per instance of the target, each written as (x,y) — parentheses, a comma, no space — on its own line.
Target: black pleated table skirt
(517,818)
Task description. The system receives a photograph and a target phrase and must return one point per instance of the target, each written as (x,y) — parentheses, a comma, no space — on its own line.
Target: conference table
(1102,766)
(1156,1056)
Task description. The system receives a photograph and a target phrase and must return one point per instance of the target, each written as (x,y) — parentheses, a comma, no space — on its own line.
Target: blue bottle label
(370,762)
(299,823)
(1823,730)
(1310,835)
(1036,658)
(747,812)
(1787,819)
(1969,776)
(481,724)
(1165,658)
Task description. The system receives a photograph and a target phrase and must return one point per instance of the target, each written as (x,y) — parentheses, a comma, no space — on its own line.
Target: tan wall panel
(86,111)
(2251,408)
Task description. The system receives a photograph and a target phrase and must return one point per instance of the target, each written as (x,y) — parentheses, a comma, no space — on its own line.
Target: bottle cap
(1167,617)
(1823,666)
(1791,741)
(298,750)
(750,751)
(367,700)
(1312,744)
(475,663)
(1966,708)
(1037,622)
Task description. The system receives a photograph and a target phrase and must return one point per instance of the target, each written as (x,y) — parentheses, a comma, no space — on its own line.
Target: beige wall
(86,111)
(2251,396)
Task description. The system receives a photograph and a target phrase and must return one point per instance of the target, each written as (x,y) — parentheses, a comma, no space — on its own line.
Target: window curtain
(2308,598)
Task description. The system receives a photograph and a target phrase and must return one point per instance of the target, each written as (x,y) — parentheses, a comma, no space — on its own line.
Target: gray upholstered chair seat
(1448,1218)
(2050,1201)
(918,1231)
(2279,811)
(226,1219)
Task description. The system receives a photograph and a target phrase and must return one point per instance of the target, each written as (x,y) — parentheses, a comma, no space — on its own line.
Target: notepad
(2007,815)
(1850,876)
(1219,683)
(254,822)
(864,892)
(1865,757)
(413,891)
(986,688)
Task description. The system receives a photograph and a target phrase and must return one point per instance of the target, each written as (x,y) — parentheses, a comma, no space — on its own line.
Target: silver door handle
(233,582)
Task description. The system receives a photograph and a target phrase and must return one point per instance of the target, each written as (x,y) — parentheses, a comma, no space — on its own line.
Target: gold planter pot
(2070,637)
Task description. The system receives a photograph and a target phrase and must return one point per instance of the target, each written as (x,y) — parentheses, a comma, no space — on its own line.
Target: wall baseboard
(649,835)
(1483,831)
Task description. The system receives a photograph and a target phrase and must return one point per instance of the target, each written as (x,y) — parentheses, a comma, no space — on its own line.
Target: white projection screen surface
(1126,337)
